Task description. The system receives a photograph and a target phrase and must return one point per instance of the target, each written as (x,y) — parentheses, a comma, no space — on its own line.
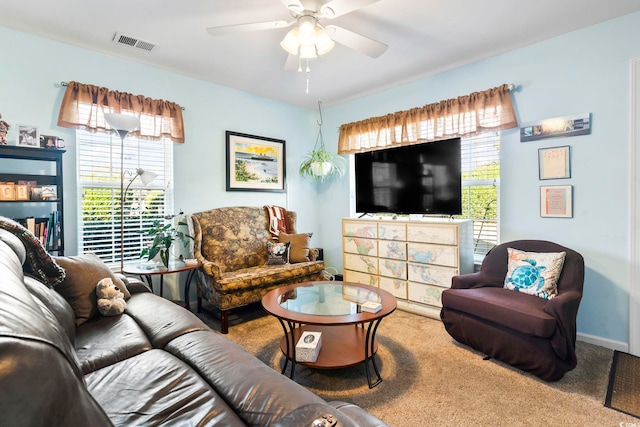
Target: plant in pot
(163,237)
(321,164)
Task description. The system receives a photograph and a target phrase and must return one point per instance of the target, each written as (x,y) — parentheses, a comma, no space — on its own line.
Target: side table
(147,274)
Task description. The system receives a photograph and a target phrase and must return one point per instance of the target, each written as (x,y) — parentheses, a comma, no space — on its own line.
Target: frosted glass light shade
(122,122)
(290,43)
(146,176)
(323,42)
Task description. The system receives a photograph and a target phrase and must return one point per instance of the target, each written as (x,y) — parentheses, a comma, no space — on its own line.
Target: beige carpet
(429,379)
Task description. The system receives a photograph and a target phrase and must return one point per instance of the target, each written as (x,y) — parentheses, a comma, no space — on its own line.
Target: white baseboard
(604,342)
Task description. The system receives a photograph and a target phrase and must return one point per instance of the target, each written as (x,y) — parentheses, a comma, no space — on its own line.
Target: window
(98,169)
(480,184)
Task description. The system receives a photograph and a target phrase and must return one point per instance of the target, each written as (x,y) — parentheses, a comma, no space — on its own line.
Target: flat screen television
(416,179)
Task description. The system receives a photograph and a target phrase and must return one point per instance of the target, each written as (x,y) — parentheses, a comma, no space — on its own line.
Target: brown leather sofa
(525,331)
(154,364)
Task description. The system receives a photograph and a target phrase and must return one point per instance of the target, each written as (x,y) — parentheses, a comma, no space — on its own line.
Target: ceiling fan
(309,38)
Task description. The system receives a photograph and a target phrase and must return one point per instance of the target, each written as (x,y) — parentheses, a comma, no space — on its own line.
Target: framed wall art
(579,124)
(28,136)
(554,162)
(556,201)
(255,163)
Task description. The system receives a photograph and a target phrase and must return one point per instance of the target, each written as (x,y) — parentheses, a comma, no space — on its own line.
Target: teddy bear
(110,299)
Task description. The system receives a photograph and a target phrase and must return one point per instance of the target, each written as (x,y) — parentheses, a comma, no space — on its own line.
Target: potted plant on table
(163,238)
(321,164)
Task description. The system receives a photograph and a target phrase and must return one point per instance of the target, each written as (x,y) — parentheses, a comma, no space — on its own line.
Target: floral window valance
(83,107)
(468,115)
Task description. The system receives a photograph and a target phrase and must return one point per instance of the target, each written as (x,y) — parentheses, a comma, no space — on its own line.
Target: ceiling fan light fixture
(291,42)
(323,41)
(308,51)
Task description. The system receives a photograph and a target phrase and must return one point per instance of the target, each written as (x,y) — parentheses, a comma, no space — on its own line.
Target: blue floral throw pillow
(278,253)
(534,273)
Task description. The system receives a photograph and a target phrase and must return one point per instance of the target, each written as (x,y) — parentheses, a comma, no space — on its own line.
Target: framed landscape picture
(255,163)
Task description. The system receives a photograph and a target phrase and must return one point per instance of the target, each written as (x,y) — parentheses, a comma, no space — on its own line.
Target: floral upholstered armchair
(231,244)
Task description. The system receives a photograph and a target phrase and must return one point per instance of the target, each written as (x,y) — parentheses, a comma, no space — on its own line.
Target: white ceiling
(424,37)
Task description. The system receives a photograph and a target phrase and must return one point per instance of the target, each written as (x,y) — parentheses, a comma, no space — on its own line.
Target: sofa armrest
(134,285)
(210,268)
(346,415)
(564,307)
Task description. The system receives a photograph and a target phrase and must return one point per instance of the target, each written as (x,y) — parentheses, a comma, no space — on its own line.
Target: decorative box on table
(308,347)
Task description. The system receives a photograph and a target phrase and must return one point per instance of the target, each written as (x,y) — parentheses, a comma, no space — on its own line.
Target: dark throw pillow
(277,253)
(83,272)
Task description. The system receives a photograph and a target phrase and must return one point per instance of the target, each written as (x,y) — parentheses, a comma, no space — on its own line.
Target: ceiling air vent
(120,38)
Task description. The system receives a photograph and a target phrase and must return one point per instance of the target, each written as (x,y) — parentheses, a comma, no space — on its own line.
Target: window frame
(98,169)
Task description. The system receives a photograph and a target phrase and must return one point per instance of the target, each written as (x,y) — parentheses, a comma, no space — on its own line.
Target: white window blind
(480,188)
(99,174)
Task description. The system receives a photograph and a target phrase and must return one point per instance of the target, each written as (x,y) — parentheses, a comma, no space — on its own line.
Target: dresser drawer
(362,278)
(433,254)
(360,245)
(360,229)
(392,249)
(361,263)
(444,234)
(392,231)
(396,287)
(393,268)
(431,274)
(425,294)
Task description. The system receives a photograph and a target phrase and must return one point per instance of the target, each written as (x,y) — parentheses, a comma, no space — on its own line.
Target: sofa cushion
(299,250)
(103,341)
(83,272)
(265,275)
(521,312)
(156,388)
(277,253)
(534,273)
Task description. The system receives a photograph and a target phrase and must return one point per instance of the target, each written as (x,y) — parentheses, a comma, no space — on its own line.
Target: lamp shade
(123,122)
(146,176)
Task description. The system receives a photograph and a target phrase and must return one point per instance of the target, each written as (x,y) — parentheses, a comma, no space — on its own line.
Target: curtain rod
(65,84)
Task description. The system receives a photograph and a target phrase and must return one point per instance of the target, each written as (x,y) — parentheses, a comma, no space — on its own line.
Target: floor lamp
(122,124)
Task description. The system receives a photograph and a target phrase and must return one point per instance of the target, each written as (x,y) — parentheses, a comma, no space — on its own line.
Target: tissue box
(308,347)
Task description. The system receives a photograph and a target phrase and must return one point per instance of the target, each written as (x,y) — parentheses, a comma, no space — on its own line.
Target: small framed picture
(7,192)
(554,163)
(28,136)
(44,192)
(22,192)
(556,201)
(255,163)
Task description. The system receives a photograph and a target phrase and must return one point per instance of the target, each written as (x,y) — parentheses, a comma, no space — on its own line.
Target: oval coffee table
(334,309)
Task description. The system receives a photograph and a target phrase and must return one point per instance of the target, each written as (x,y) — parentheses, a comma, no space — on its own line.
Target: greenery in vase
(163,237)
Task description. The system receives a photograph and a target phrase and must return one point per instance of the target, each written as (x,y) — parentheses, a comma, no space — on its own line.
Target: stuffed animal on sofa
(110,299)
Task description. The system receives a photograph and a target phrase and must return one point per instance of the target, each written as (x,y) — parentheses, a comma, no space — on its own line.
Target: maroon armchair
(522,330)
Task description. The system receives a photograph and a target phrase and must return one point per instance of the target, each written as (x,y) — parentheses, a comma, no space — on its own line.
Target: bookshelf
(31,190)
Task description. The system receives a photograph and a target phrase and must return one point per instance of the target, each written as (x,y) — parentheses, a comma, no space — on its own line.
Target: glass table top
(327,299)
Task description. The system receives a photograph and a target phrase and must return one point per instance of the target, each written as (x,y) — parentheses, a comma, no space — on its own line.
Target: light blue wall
(584,71)
(32,66)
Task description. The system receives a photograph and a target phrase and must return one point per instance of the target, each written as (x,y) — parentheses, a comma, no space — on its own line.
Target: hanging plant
(320,164)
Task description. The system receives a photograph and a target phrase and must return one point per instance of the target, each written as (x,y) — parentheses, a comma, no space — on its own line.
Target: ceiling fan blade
(336,8)
(242,28)
(293,5)
(292,64)
(356,41)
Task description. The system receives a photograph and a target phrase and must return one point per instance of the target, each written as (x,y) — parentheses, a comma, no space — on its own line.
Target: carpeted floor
(429,379)
(623,392)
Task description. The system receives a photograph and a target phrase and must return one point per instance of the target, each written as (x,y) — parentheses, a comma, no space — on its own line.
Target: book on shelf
(47,230)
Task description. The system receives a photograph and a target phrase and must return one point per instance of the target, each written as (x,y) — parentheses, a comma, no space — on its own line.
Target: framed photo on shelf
(22,192)
(7,191)
(556,201)
(28,136)
(255,163)
(554,162)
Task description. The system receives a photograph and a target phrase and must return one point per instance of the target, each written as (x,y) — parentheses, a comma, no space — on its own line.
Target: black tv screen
(415,179)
